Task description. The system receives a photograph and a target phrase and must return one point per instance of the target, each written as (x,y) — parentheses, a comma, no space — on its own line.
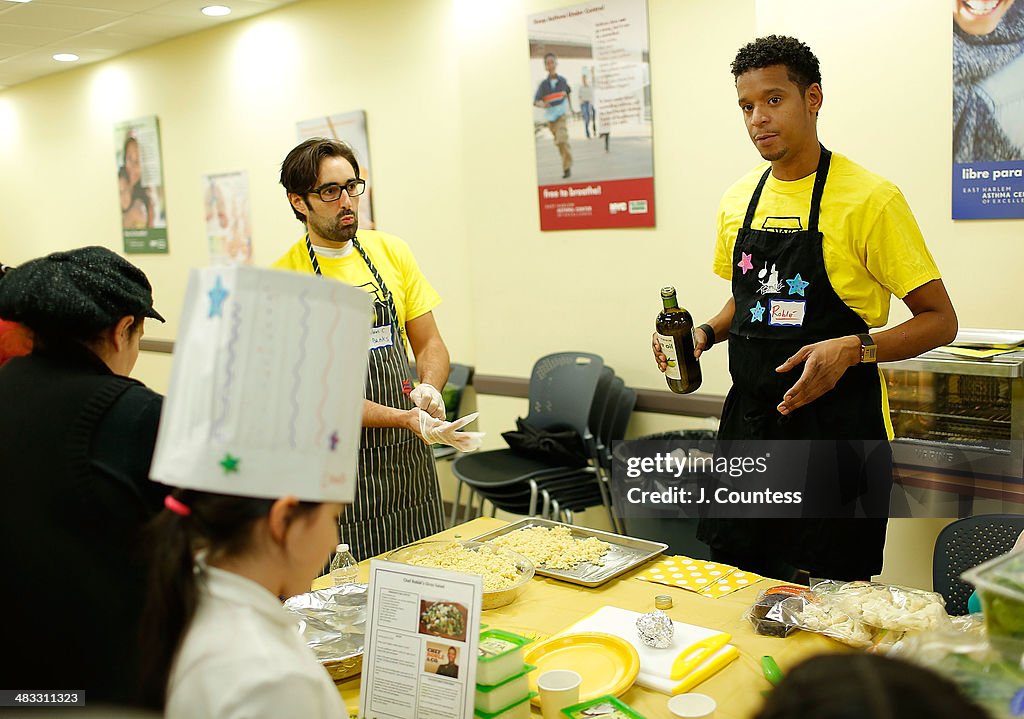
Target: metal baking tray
(626,553)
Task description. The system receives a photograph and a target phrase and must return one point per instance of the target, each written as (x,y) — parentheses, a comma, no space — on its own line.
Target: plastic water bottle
(343,567)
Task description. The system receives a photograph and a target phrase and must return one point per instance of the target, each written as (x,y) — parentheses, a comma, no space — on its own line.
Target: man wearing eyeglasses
(397,496)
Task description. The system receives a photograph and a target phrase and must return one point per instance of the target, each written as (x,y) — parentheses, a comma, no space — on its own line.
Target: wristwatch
(868,349)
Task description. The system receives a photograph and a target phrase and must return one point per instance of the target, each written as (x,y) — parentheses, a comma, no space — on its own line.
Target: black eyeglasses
(332,190)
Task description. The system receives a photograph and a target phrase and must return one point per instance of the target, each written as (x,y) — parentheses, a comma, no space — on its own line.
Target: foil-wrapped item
(332,622)
(655,629)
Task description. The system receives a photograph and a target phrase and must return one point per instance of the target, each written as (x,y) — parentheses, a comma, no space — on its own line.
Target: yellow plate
(608,664)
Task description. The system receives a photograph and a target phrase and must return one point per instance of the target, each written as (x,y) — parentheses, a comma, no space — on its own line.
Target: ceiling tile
(60,17)
(35,36)
(128,6)
(98,29)
(105,42)
(7,50)
(188,8)
(158,27)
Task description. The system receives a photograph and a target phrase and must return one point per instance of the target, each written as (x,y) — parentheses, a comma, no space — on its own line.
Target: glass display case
(958,415)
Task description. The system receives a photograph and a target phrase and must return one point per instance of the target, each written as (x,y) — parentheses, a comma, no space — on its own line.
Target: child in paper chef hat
(240,654)
(259,433)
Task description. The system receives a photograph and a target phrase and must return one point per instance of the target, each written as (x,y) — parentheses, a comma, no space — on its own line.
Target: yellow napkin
(710,579)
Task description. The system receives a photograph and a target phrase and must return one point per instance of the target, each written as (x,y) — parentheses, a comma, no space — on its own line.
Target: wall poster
(591,92)
(141,186)
(988,109)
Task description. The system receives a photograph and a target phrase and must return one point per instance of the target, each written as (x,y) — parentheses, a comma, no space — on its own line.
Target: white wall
(446,88)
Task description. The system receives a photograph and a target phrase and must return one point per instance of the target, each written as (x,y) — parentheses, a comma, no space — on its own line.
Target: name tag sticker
(786,313)
(381,337)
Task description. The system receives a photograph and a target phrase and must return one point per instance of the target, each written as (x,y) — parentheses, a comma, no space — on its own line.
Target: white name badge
(381,337)
(786,313)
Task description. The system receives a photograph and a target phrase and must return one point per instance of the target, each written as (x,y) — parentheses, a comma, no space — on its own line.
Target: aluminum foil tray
(626,553)
(332,622)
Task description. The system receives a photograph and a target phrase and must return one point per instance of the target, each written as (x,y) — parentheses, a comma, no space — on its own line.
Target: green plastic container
(1000,584)
(499,656)
(611,708)
(519,710)
(498,697)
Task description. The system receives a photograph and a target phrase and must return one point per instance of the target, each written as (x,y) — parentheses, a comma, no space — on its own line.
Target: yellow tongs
(695,655)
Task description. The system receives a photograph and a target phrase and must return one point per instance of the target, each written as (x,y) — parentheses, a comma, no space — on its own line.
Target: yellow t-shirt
(872,245)
(412,294)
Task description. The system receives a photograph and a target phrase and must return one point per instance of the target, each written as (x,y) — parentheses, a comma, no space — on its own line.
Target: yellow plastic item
(692,657)
(607,664)
(707,671)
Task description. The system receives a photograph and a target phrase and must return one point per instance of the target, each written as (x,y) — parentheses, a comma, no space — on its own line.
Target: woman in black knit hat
(76,440)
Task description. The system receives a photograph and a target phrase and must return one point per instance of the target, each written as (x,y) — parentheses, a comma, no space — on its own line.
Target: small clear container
(499,656)
(499,696)
(519,710)
(1000,584)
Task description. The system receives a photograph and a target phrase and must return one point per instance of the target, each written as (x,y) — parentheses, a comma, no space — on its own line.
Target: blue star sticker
(217,296)
(757,313)
(797,285)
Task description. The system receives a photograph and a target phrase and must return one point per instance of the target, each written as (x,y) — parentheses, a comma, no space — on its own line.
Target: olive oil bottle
(675,333)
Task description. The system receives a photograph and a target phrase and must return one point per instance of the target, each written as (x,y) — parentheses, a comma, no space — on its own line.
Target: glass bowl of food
(505,573)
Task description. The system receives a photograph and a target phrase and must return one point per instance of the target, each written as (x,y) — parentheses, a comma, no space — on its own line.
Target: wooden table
(548,606)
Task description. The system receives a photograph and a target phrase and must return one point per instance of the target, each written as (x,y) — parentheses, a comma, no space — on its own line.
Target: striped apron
(397,500)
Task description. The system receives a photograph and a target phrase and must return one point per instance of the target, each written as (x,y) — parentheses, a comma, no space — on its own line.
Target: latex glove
(427,398)
(436,431)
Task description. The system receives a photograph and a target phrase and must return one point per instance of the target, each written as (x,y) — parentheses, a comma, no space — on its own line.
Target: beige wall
(446,92)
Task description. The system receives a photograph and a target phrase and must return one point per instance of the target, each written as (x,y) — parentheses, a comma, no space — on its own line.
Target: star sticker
(217,296)
(757,313)
(745,263)
(797,285)
(230,464)
(334,440)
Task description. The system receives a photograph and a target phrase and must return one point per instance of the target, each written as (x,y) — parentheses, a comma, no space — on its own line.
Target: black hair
(866,686)
(220,524)
(549,54)
(302,165)
(801,64)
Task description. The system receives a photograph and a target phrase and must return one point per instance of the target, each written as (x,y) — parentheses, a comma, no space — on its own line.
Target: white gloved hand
(427,398)
(439,432)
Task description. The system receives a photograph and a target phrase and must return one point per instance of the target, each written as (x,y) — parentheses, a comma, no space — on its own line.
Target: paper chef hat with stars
(266,389)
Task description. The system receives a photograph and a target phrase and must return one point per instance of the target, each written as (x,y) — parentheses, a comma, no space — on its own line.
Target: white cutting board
(655,664)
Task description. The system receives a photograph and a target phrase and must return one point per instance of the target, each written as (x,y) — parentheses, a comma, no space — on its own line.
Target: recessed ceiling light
(65,57)
(21,0)
(216,10)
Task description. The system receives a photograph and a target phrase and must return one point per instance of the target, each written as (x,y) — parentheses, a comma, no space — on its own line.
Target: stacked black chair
(562,497)
(564,394)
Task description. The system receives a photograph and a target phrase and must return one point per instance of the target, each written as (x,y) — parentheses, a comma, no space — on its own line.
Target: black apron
(397,500)
(784,300)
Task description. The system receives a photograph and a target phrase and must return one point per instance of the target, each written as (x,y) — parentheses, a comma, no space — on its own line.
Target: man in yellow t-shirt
(814,246)
(397,496)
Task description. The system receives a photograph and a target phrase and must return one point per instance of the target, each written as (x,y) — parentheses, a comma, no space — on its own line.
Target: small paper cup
(692,706)
(558,688)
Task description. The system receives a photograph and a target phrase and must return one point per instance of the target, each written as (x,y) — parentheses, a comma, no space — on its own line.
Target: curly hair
(801,64)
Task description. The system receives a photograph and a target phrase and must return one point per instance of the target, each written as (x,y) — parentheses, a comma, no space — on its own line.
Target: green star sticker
(229,463)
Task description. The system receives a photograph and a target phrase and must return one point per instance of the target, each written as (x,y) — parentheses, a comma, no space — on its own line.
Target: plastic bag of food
(866,615)
(766,614)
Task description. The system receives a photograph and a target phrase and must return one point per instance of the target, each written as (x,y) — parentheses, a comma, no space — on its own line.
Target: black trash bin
(679,534)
